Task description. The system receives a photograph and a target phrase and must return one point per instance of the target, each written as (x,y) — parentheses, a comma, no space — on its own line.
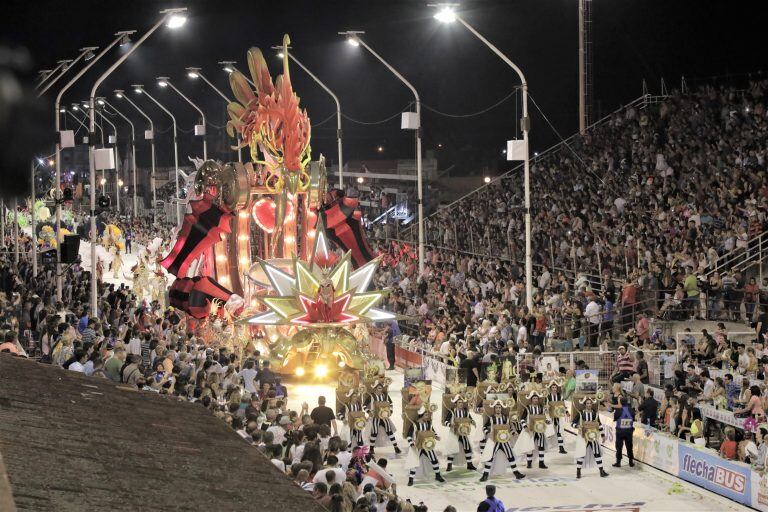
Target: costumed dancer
(534,422)
(588,441)
(379,406)
(353,415)
(117,264)
(459,423)
(425,443)
(500,430)
(555,400)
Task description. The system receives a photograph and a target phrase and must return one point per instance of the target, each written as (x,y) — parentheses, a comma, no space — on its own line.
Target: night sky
(453,72)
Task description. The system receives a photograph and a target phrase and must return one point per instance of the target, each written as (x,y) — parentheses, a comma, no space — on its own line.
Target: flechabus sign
(716,474)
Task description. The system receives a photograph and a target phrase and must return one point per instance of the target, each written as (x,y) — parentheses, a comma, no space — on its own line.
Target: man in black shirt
(649,409)
(472,367)
(641,367)
(323,415)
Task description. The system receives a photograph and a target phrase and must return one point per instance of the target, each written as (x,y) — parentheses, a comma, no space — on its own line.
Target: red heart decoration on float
(264,213)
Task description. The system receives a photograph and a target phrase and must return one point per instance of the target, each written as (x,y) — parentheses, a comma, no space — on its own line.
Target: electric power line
(473,114)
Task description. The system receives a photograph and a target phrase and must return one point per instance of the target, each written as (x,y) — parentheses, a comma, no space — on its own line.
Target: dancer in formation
(422,440)
(379,406)
(353,414)
(460,423)
(590,432)
(500,431)
(556,407)
(534,419)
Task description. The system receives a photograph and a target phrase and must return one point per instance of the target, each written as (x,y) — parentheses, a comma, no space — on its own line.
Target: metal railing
(594,282)
(743,258)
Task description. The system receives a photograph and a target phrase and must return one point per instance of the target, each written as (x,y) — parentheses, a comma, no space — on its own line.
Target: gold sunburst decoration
(322,292)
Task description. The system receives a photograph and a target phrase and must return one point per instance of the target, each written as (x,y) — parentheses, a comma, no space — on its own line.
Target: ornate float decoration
(325,298)
(255,237)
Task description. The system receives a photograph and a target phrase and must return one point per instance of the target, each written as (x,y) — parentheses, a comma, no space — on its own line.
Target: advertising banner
(435,369)
(657,449)
(759,491)
(720,476)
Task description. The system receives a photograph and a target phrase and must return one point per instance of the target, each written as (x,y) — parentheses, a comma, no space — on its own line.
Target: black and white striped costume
(585,416)
(464,443)
(419,426)
(386,424)
(538,438)
(355,436)
(557,397)
(506,448)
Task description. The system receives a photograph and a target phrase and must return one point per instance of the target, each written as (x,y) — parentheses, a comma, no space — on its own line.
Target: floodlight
(176,21)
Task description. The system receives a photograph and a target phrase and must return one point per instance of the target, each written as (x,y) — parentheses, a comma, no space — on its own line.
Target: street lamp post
(57,153)
(32,215)
(335,99)
(117,155)
(197,73)
(447,15)
(353,37)
(85,54)
(133,151)
(63,66)
(165,80)
(140,89)
(121,95)
(174,19)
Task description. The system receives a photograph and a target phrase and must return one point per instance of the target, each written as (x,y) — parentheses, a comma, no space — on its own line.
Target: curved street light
(164,81)
(353,38)
(174,18)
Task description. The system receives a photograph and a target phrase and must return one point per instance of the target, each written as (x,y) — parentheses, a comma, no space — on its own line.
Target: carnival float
(268,254)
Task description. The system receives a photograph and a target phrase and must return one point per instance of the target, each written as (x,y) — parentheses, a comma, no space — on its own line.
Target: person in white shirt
(249,374)
(594,316)
(332,464)
(134,344)
(522,333)
(78,364)
(445,347)
(280,430)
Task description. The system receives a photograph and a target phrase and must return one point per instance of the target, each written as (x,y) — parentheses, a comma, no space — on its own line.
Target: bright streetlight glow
(353,41)
(193,74)
(229,65)
(100,102)
(119,94)
(138,89)
(50,163)
(75,107)
(360,179)
(280,55)
(176,21)
(62,110)
(321,371)
(487,179)
(162,81)
(120,183)
(445,15)
(380,149)
(40,161)
(103,181)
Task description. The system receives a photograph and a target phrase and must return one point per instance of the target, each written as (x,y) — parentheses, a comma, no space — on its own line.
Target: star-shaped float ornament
(323,292)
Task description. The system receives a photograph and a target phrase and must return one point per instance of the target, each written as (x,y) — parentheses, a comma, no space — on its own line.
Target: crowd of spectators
(141,344)
(651,197)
